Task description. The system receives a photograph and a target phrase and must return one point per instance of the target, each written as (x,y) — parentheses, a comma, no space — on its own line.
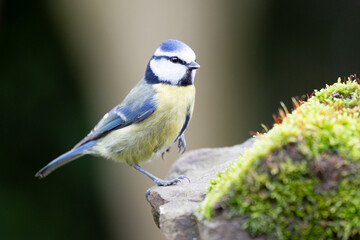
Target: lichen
(300,180)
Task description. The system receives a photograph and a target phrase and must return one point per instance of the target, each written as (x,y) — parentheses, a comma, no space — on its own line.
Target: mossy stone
(301,179)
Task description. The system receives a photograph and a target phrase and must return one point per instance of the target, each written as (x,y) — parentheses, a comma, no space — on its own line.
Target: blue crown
(171,45)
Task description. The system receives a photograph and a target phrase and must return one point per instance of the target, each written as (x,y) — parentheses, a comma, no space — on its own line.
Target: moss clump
(301,179)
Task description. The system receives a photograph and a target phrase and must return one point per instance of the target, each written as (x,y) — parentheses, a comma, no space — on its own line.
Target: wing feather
(134,109)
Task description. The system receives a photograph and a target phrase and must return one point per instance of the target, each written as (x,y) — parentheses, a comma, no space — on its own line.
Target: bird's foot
(182,144)
(161,182)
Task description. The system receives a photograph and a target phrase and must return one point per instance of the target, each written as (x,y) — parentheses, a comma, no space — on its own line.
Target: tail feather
(64,159)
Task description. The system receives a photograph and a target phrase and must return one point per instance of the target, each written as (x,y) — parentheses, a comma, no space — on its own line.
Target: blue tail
(64,158)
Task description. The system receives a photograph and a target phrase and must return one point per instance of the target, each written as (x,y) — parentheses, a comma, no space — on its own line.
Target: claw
(183,177)
(161,182)
(147,194)
(182,144)
(163,154)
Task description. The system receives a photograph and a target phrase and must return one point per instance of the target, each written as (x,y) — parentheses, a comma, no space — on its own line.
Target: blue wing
(120,117)
(139,104)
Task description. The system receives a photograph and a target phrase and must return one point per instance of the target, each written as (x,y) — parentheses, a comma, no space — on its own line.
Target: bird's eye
(174,59)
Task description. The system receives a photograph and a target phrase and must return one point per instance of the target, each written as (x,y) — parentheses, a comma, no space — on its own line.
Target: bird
(150,119)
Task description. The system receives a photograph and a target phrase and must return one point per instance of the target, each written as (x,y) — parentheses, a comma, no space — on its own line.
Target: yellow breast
(175,103)
(144,140)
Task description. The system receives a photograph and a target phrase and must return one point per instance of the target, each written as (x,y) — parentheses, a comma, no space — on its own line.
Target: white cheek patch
(185,54)
(167,71)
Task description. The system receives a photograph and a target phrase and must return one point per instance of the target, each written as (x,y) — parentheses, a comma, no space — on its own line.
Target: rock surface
(173,207)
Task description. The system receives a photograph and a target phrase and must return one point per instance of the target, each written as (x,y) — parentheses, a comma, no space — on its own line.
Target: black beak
(193,65)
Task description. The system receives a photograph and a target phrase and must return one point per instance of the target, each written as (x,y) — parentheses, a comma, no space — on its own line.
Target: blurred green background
(63,64)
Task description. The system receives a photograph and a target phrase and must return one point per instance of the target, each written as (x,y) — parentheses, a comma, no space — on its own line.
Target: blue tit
(152,117)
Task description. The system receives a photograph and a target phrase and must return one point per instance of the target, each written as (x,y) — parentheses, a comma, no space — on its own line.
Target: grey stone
(174,207)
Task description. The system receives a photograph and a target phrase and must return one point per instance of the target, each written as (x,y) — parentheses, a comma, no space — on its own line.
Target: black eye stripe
(182,62)
(168,58)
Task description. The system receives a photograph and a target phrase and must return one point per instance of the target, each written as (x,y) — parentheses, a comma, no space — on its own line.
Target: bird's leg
(182,144)
(158,181)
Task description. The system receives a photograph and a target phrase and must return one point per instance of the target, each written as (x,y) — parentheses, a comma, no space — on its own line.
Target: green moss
(300,180)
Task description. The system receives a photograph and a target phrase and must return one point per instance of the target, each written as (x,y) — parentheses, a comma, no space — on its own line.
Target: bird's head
(173,63)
